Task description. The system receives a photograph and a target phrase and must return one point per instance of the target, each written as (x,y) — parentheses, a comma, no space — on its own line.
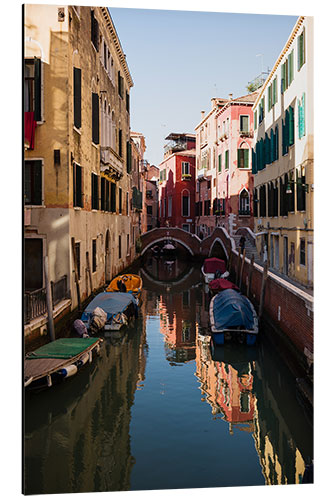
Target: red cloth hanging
(29,129)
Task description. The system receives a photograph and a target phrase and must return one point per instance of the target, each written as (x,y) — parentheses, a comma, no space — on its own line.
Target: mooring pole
(242,268)
(48,298)
(250,277)
(262,293)
(89,271)
(238,263)
(76,275)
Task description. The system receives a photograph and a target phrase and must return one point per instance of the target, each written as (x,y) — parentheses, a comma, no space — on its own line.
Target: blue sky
(179,60)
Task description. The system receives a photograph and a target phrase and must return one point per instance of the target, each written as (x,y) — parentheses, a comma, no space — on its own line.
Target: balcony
(174,146)
(244,212)
(111,163)
(186,177)
(201,174)
(245,133)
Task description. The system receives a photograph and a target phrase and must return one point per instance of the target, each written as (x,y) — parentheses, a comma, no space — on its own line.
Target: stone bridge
(217,244)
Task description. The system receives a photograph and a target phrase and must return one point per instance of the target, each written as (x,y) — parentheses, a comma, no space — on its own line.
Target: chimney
(230,97)
(202,114)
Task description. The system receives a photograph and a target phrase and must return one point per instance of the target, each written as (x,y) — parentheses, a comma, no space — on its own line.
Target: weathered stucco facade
(77,168)
(284,156)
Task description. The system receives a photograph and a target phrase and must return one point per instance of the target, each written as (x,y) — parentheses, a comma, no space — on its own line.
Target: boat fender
(82,361)
(68,371)
(90,356)
(49,380)
(28,381)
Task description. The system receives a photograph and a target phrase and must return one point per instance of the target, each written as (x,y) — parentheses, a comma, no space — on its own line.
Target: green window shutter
(37,89)
(291,66)
(246,158)
(291,126)
(274,91)
(220,163)
(276,142)
(255,120)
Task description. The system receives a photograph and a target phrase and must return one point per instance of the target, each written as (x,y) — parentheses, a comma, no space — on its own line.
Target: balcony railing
(244,212)
(35,301)
(245,133)
(111,162)
(34,304)
(186,176)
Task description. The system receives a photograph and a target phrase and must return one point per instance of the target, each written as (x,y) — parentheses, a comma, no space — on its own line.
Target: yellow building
(77,161)
(283,159)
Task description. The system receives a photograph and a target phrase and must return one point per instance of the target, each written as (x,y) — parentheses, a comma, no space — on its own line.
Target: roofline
(114,35)
(292,35)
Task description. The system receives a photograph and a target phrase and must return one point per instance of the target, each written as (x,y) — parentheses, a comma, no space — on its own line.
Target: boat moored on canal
(130,283)
(109,311)
(232,315)
(220,284)
(214,268)
(58,360)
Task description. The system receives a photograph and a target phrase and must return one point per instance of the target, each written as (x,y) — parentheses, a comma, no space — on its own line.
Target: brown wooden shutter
(95,118)
(77,97)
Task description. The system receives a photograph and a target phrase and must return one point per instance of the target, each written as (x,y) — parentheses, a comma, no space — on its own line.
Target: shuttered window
(301,50)
(94,192)
(94,256)
(301,117)
(77,186)
(185,206)
(38,89)
(120,200)
(290,67)
(226,159)
(291,126)
(127,102)
(300,191)
(94,30)
(276,140)
(113,197)
(33,182)
(103,193)
(120,85)
(33,87)
(262,201)
(243,158)
(77,97)
(275,90)
(95,118)
(128,157)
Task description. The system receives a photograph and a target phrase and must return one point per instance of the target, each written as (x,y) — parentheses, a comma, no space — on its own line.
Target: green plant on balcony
(186,176)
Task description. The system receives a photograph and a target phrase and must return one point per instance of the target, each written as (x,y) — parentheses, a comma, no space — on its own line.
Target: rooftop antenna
(262,62)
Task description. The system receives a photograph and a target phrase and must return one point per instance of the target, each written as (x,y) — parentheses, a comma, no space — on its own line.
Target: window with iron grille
(33,182)
(302,252)
(78,259)
(77,97)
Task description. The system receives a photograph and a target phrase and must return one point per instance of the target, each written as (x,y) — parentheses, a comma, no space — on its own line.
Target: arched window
(185,203)
(243,156)
(244,202)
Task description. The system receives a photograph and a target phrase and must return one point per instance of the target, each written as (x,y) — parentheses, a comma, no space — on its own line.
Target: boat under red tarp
(214,264)
(221,284)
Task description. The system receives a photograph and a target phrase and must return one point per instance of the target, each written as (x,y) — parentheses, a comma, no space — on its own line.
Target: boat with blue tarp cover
(232,315)
(117,308)
(58,360)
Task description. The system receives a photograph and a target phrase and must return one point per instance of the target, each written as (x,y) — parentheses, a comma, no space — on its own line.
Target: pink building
(234,180)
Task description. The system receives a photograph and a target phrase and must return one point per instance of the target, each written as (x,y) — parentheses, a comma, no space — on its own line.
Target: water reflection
(244,387)
(77,434)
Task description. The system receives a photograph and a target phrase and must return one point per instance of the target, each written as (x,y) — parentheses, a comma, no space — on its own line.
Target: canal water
(160,408)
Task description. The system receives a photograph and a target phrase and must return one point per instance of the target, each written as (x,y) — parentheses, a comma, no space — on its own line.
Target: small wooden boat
(214,268)
(232,314)
(109,311)
(131,283)
(220,284)
(58,360)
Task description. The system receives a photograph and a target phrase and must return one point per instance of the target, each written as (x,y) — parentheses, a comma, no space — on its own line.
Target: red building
(177,183)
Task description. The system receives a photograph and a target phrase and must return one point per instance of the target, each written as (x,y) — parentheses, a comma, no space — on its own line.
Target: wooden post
(250,277)
(238,262)
(230,259)
(76,275)
(49,298)
(242,268)
(89,271)
(262,293)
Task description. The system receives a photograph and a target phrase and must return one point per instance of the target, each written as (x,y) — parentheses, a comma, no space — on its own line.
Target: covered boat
(58,360)
(131,283)
(118,307)
(231,313)
(214,268)
(220,284)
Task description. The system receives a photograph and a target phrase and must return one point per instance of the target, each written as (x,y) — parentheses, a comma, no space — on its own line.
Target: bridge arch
(217,245)
(169,238)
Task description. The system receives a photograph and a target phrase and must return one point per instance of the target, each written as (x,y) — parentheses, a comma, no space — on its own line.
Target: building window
(94,192)
(95,117)
(300,190)
(243,158)
(113,197)
(150,210)
(255,203)
(255,119)
(127,244)
(77,186)
(127,203)
(302,252)
(94,30)
(94,256)
(120,143)
(33,182)
(244,123)
(78,259)
(244,202)
(301,50)
(220,163)
(301,117)
(185,204)
(262,201)
(186,227)
(261,110)
(127,102)
(120,200)
(185,168)
(207,207)
(33,87)
(120,85)
(77,97)
(226,159)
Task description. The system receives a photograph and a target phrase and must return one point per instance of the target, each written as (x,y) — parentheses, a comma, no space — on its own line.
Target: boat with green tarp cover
(58,360)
